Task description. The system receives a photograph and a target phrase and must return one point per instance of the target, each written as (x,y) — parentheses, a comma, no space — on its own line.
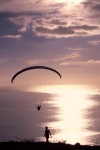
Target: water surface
(70,111)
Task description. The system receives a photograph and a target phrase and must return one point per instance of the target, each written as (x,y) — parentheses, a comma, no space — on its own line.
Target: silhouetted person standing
(47,133)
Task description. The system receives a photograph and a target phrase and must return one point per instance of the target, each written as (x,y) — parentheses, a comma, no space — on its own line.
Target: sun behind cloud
(74,2)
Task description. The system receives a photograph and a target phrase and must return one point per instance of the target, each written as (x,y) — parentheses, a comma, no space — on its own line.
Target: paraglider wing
(34,67)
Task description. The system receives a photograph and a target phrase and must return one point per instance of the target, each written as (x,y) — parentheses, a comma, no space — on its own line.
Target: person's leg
(47,139)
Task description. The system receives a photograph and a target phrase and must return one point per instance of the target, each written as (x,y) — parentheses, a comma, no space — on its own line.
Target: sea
(71,112)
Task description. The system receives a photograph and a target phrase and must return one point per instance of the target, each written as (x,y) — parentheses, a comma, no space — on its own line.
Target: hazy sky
(62,34)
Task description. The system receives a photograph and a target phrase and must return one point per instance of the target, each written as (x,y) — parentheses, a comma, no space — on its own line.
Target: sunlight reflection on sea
(70,111)
(72,118)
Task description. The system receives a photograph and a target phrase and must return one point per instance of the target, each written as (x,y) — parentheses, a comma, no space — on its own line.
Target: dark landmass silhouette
(31,145)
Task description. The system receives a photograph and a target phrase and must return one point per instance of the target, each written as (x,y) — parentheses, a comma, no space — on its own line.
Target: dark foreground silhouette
(26,145)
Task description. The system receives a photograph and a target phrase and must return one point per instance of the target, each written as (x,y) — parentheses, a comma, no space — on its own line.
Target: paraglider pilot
(47,133)
(38,107)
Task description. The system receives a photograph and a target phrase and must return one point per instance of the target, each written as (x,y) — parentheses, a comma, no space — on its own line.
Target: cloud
(35,61)
(65,31)
(85,27)
(58,21)
(56,32)
(52,19)
(73,48)
(17,6)
(97,7)
(21,20)
(94,4)
(64,64)
(50,22)
(71,56)
(62,60)
(22,29)
(79,64)
(94,61)
(23,6)
(68,59)
(94,42)
(12,36)
(56,28)
(93,7)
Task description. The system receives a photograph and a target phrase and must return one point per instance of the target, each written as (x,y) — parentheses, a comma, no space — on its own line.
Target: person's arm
(50,133)
(44,135)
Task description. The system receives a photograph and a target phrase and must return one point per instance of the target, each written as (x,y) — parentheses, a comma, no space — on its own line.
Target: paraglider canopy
(35,67)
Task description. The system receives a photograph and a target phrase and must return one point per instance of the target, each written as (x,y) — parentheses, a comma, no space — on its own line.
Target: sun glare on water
(71,101)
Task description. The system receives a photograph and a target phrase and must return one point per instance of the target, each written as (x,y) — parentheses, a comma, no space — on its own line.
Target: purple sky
(62,34)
